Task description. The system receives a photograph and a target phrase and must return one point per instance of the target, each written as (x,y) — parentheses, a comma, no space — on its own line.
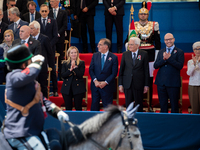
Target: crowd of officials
(45,32)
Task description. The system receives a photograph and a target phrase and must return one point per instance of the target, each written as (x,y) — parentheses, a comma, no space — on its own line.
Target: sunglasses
(12,5)
(44,11)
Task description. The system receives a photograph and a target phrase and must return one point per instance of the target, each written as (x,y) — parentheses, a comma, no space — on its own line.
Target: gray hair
(196,44)
(136,40)
(36,25)
(15,10)
(106,42)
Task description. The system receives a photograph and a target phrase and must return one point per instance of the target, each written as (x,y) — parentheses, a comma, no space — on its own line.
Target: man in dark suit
(34,45)
(3,26)
(134,73)
(85,12)
(10,4)
(61,18)
(17,22)
(103,70)
(49,28)
(46,52)
(20,4)
(32,14)
(169,62)
(114,12)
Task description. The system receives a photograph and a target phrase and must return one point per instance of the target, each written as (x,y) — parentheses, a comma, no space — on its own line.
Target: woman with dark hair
(73,84)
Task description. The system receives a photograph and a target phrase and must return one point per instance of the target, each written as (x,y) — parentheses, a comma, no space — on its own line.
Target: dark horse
(115,129)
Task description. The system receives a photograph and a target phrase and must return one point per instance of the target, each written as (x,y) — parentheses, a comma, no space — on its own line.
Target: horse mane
(94,124)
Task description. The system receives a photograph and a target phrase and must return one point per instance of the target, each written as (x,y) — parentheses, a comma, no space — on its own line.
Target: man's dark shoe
(55,94)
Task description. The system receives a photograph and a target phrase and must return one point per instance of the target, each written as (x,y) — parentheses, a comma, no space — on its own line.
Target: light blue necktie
(102,61)
(32,17)
(15,26)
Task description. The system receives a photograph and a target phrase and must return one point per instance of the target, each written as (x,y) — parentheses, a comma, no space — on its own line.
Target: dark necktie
(102,61)
(43,23)
(32,17)
(168,50)
(134,57)
(23,41)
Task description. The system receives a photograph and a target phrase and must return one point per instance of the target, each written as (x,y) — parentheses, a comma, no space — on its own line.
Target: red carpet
(87,58)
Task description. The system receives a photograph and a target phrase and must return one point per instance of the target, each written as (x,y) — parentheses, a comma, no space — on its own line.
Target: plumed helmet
(143,11)
(144,8)
(17,55)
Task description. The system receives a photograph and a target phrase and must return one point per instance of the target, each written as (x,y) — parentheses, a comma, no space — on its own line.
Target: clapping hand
(72,65)
(166,55)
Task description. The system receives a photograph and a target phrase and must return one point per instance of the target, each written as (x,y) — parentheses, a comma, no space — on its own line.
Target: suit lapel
(129,57)
(107,61)
(137,57)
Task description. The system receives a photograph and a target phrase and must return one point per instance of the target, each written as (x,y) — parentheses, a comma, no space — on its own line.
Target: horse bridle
(126,122)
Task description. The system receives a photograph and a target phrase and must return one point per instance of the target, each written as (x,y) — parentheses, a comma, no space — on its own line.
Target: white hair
(36,25)
(196,44)
(136,40)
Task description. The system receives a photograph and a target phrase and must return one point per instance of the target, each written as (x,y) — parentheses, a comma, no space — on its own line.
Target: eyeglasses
(197,49)
(131,44)
(12,5)
(168,39)
(44,11)
(100,44)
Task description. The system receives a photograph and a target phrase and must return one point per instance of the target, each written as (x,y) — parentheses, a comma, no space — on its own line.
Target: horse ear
(132,112)
(130,107)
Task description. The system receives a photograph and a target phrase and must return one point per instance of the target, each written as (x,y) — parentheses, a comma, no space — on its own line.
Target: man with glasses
(169,62)
(49,28)
(10,4)
(134,73)
(32,14)
(103,70)
(3,26)
(149,34)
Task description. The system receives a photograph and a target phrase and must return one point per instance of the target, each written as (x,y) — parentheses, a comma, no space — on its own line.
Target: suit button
(76,79)
(67,79)
(77,84)
(65,84)
(165,65)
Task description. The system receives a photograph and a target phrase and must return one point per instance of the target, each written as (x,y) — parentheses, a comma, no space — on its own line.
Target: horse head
(115,129)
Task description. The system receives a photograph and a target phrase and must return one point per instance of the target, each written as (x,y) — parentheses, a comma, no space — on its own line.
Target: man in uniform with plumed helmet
(149,34)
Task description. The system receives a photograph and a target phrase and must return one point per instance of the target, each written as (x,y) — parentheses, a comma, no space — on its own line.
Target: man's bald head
(24,32)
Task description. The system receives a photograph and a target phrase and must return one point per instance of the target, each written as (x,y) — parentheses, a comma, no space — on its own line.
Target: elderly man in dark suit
(34,45)
(61,18)
(49,28)
(134,73)
(3,27)
(9,4)
(85,12)
(32,14)
(17,22)
(103,70)
(169,62)
(114,12)
(46,52)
